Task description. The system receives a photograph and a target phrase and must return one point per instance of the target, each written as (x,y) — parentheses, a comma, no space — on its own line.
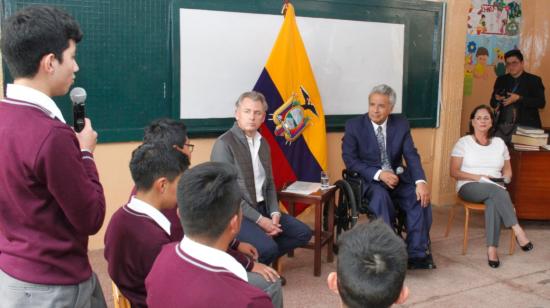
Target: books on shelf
(543,135)
(527,140)
(524,147)
(526,130)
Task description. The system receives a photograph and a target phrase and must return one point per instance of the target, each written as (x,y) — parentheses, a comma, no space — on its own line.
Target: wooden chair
(120,300)
(469,206)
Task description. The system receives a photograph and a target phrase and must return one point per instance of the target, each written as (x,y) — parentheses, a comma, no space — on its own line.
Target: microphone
(78,96)
(399,170)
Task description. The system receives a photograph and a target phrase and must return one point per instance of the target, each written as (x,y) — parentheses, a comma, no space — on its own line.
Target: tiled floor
(523,280)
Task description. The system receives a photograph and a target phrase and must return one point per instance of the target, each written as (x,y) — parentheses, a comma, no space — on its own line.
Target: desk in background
(530,186)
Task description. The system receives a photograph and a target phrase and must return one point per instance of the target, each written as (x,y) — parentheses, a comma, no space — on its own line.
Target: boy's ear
(160,185)
(332,282)
(234,224)
(47,63)
(403,295)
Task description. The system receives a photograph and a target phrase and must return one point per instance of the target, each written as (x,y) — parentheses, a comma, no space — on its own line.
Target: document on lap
(486,180)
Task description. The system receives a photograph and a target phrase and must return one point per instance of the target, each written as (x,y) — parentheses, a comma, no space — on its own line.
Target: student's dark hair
(169,131)
(33,32)
(491,132)
(514,53)
(372,262)
(208,197)
(151,161)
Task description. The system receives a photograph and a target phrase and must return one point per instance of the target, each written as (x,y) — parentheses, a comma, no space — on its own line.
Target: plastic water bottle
(324,180)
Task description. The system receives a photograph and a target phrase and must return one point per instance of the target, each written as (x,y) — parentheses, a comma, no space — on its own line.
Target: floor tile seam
(496,280)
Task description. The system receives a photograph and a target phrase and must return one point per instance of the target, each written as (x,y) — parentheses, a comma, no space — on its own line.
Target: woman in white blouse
(477,158)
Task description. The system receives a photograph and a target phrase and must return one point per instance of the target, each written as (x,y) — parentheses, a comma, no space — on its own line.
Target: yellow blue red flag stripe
(295,125)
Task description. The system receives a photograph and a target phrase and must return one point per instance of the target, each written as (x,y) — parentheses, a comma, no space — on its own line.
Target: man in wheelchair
(374,146)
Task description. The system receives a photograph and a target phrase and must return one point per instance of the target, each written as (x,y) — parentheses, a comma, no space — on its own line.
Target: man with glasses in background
(517,97)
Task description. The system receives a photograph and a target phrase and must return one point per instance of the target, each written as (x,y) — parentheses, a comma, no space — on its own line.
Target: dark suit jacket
(531,90)
(232,147)
(361,153)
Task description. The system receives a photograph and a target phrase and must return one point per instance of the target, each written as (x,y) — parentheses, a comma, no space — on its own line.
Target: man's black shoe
(421,263)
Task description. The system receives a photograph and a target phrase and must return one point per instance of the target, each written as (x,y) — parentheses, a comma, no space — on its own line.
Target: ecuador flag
(295,126)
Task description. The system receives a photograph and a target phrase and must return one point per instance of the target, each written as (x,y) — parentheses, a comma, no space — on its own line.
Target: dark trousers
(295,234)
(418,219)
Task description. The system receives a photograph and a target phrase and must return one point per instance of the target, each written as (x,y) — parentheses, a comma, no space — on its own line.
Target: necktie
(382,146)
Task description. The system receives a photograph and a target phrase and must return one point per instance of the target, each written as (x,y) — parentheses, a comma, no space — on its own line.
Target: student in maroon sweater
(197,272)
(51,198)
(173,133)
(138,230)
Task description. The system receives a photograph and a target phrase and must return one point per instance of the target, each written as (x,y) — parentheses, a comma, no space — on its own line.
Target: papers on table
(303,188)
(486,180)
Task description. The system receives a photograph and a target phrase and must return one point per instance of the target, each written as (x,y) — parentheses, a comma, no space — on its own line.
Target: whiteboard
(223,53)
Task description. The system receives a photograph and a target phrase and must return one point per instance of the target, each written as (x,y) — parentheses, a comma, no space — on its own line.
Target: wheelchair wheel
(346,208)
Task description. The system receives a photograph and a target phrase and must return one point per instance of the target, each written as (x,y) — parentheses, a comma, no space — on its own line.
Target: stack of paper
(303,188)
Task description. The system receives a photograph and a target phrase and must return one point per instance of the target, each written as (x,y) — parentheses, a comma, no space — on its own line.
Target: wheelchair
(350,203)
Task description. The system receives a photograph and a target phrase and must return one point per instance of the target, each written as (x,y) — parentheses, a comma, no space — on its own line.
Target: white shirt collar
(30,95)
(384,125)
(212,256)
(145,208)
(255,140)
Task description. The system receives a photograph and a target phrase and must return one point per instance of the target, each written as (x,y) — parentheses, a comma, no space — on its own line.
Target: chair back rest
(120,300)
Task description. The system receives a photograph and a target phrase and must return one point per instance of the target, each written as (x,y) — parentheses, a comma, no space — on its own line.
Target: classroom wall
(434,144)
(535,46)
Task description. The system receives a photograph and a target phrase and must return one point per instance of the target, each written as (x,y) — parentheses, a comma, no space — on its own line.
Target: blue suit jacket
(361,153)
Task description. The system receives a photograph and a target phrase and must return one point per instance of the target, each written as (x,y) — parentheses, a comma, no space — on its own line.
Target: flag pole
(285,4)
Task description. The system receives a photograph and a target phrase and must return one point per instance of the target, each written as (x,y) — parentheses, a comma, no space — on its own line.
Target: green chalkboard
(124,62)
(423,22)
(129,56)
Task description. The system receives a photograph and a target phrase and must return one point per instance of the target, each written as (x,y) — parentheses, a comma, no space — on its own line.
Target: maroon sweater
(133,241)
(176,234)
(50,201)
(179,280)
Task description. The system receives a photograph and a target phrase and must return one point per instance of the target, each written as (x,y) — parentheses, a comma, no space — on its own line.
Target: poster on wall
(493,29)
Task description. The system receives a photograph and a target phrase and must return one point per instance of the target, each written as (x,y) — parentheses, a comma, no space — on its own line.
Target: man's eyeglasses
(512,63)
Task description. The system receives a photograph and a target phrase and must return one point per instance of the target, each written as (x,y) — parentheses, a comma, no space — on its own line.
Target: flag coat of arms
(295,121)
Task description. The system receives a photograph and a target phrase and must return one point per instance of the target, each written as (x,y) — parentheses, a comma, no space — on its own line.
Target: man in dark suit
(374,146)
(272,233)
(517,95)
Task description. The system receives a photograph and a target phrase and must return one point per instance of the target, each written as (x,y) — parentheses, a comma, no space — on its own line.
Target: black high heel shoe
(493,264)
(527,247)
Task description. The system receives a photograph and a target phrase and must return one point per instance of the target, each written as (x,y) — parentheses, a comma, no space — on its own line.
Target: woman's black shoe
(526,247)
(493,264)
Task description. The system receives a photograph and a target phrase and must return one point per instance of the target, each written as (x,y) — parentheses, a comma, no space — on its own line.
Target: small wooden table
(318,199)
